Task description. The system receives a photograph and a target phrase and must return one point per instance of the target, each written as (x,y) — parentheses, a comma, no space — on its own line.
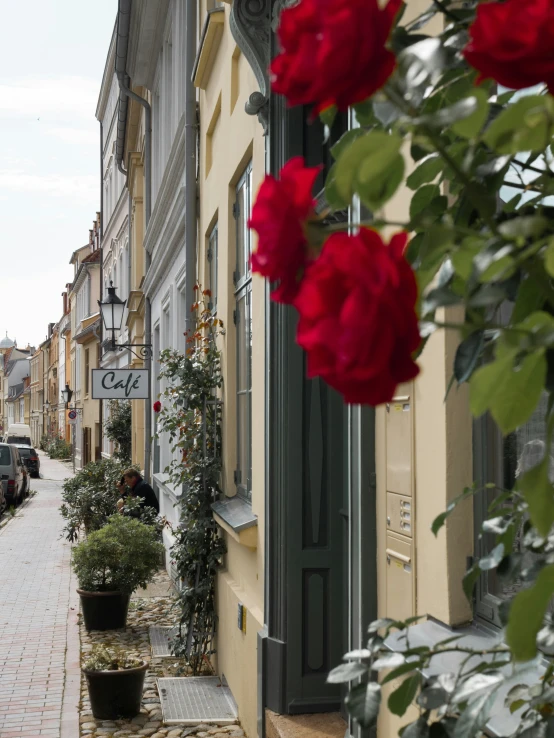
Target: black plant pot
(115,694)
(104,610)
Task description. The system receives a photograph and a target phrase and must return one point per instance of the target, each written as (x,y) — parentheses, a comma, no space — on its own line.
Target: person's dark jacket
(144,490)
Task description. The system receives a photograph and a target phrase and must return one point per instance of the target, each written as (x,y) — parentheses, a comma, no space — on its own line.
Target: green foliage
(483,241)
(58,448)
(118,428)
(191,415)
(90,497)
(121,556)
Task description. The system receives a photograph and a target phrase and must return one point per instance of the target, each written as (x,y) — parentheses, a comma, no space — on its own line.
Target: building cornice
(107,79)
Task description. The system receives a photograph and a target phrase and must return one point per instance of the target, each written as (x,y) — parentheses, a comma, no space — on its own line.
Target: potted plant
(115,680)
(110,564)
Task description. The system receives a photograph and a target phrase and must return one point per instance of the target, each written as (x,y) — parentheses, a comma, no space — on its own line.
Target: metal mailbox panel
(400,578)
(400,441)
(400,514)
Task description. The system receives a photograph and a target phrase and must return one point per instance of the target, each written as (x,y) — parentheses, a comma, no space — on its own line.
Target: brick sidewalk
(35,600)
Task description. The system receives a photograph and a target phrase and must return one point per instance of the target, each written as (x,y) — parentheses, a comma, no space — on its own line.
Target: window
(243,322)
(87,371)
(501,460)
(212,268)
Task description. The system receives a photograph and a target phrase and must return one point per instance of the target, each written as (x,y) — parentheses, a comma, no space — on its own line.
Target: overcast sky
(52,59)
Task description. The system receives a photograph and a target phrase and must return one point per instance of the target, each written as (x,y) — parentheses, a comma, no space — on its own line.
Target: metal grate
(194,700)
(160,638)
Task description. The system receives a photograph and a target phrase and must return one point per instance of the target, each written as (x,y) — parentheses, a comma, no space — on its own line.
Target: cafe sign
(120,384)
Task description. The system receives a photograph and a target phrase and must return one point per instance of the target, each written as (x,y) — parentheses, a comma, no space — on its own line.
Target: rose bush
(475,163)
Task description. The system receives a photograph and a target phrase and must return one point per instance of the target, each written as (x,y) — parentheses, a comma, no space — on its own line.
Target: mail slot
(400,578)
(399,424)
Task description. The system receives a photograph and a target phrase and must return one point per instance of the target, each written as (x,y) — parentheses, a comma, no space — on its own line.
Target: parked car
(3,503)
(30,459)
(13,474)
(18,433)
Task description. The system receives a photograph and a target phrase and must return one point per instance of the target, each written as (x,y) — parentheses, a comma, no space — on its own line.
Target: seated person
(138,488)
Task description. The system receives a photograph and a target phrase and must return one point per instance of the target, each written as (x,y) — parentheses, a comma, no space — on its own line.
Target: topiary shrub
(90,497)
(120,557)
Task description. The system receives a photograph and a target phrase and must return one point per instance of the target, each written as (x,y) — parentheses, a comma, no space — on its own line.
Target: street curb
(11,518)
(72,684)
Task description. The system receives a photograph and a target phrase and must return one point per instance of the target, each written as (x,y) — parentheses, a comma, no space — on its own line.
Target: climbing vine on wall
(190,412)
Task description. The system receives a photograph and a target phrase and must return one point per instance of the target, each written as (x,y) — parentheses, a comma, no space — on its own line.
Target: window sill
(161,481)
(429,633)
(236,518)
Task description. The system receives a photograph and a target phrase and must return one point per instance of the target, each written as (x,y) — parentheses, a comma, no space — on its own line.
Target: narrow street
(39,675)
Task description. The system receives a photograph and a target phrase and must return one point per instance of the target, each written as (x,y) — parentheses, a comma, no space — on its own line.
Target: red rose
(333,51)
(157,406)
(279,215)
(512,43)
(358,323)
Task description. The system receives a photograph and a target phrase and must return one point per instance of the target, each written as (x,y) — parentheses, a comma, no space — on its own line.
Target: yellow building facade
(232,166)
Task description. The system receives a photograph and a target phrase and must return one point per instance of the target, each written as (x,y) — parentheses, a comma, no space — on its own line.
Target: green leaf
(467,356)
(363,702)
(400,671)
(489,294)
(524,126)
(327,116)
(470,126)
(344,141)
(364,113)
(462,258)
(335,201)
(524,227)
(427,171)
(527,614)
(346,672)
(538,492)
(388,661)
(439,297)
(461,111)
(375,191)
(529,298)
(499,269)
(486,563)
(549,258)
(495,386)
(422,198)
(469,581)
(401,698)
(474,684)
(372,167)
(474,717)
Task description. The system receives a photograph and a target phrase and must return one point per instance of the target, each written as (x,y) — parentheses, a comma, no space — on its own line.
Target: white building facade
(116,265)
(156,63)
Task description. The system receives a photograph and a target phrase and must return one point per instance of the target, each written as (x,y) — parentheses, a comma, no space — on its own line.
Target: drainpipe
(191,132)
(101,234)
(122,44)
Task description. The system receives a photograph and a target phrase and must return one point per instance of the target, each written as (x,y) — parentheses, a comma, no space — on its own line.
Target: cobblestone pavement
(144,612)
(36,627)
